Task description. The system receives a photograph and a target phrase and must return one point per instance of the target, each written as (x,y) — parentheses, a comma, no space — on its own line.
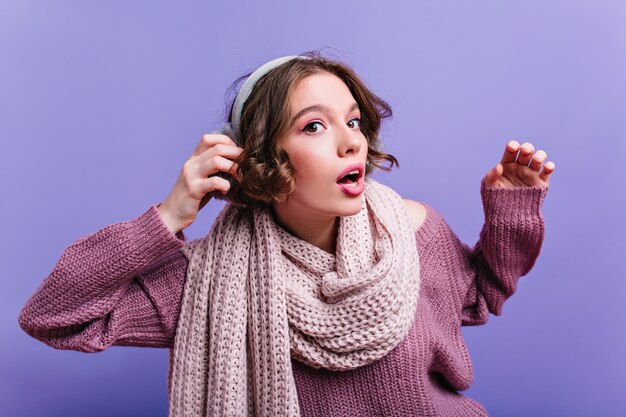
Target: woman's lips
(351,180)
(359,168)
(353,189)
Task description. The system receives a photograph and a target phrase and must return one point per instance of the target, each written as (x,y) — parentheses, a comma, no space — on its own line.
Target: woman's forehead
(321,89)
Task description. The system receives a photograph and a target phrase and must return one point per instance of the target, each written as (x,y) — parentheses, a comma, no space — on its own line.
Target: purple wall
(100,105)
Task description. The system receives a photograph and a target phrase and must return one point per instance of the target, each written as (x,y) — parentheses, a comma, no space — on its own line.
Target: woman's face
(326,147)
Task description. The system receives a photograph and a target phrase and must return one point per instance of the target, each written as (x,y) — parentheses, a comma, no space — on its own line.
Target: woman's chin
(352,207)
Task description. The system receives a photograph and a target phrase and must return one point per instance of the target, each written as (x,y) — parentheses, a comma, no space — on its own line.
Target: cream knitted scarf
(256,297)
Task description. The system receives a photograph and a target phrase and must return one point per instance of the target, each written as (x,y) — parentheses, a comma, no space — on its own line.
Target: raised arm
(509,244)
(511,238)
(123,285)
(119,286)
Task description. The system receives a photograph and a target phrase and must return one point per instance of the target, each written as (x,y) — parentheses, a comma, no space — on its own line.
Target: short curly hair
(266,174)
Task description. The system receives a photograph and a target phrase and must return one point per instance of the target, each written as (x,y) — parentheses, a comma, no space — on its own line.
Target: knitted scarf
(256,297)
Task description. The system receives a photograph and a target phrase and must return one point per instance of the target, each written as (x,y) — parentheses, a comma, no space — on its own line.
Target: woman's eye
(312,127)
(354,123)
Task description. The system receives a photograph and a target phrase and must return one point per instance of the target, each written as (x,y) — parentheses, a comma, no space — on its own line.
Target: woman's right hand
(197,184)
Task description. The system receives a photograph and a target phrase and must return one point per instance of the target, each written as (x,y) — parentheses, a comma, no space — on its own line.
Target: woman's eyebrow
(315,107)
(320,108)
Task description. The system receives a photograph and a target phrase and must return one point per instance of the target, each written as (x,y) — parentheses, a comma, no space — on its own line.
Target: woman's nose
(349,141)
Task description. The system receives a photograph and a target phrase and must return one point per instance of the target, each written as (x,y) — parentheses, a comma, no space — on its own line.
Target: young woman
(318,292)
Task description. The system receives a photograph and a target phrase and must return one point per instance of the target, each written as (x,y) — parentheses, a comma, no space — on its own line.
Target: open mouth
(351,178)
(350,181)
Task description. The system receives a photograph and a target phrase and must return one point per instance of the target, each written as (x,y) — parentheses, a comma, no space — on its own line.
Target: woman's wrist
(168,219)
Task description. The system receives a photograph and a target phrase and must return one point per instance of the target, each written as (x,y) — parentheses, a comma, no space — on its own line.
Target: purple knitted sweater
(123,286)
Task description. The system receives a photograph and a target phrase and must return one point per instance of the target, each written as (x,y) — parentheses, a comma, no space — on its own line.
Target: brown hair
(266,174)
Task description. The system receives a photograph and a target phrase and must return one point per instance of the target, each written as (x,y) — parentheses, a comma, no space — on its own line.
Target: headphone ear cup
(228,130)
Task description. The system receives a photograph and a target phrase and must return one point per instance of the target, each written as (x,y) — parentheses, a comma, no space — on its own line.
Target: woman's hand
(520,166)
(196,184)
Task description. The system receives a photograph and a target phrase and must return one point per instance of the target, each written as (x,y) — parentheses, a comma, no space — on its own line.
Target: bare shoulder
(417,213)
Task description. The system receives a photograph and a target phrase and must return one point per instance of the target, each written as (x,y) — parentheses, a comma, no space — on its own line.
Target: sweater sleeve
(119,286)
(509,244)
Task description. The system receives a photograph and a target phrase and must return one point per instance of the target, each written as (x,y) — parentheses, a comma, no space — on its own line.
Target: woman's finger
(209,140)
(510,152)
(214,183)
(537,160)
(204,188)
(525,153)
(494,175)
(546,172)
(220,149)
(217,164)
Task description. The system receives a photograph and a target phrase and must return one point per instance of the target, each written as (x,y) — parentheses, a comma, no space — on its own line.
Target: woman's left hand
(520,166)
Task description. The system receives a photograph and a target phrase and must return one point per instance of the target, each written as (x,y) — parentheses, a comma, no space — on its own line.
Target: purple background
(100,105)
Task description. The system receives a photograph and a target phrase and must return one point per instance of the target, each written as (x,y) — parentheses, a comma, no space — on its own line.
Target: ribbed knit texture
(256,294)
(123,286)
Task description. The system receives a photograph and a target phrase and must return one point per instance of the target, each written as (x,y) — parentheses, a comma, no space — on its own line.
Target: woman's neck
(315,228)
